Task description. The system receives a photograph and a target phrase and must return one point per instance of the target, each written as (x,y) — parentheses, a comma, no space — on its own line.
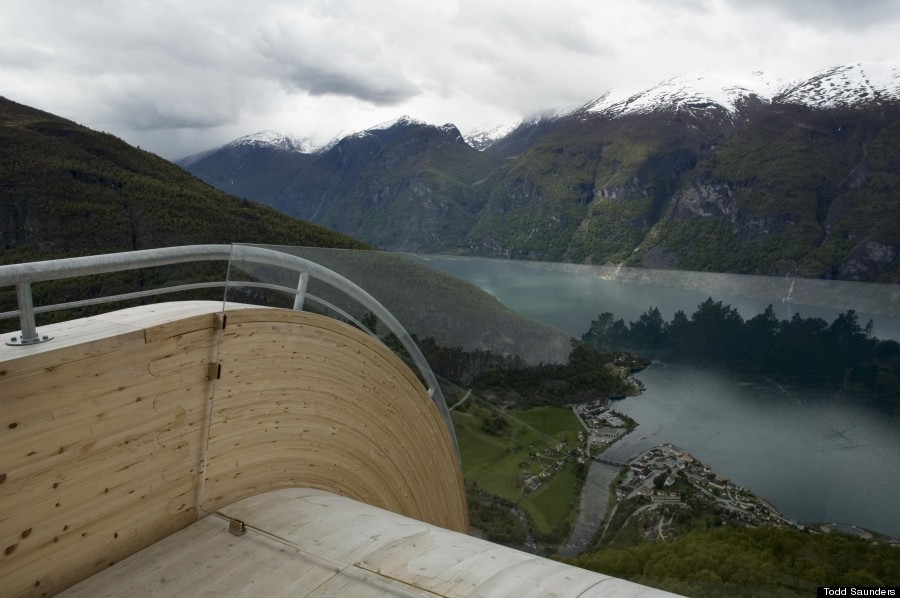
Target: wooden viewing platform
(128,441)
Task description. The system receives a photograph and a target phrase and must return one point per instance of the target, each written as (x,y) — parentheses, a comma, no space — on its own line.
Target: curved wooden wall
(113,435)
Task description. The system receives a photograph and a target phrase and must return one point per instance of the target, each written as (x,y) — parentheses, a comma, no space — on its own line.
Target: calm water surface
(817,456)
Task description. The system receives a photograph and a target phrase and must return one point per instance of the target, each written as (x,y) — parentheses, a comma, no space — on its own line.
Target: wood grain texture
(114,437)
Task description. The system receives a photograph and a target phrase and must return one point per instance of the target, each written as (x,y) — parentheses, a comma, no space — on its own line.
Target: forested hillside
(67,190)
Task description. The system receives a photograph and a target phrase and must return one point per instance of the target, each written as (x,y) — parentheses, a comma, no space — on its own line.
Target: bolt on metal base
(21,341)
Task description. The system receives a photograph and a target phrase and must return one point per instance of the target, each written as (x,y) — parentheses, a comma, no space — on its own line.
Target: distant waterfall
(787,298)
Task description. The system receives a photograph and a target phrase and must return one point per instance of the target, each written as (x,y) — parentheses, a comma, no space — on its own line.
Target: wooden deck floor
(303,542)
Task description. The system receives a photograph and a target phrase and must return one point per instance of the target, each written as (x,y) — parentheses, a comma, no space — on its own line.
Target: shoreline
(813,527)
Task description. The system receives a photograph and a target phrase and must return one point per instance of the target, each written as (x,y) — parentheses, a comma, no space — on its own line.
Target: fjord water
(818,456)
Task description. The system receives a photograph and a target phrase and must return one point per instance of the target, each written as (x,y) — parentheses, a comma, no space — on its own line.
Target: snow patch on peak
(609,99)
(401,121)
(484,136)
(693,91)
(843,85)
(280,141)
(846,85)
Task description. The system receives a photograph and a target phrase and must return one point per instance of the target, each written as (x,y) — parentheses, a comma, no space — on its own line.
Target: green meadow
(525,446)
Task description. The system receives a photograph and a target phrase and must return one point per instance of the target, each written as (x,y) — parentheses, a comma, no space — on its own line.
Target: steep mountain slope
(65,190)
(712,171)
(813,190)
(402,185)
(769,188)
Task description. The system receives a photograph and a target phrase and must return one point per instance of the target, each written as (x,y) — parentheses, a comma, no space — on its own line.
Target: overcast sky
(180,76)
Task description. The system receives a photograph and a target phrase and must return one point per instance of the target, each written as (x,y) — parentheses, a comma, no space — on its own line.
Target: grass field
(496,463)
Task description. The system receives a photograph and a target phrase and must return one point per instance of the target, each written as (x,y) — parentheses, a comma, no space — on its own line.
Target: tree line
(750,562)
(843,352)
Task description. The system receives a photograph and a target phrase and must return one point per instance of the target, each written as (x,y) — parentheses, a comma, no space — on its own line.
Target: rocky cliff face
(705,201)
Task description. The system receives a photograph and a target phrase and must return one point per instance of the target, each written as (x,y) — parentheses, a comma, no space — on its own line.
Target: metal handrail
(23,275)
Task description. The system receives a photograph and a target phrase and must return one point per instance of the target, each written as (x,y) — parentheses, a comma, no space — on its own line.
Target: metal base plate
(18,341)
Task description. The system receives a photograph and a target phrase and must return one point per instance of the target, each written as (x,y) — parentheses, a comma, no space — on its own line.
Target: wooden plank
(354,581)
(90,423)
(72,341)
(74,556)
(204,322)
(205,559)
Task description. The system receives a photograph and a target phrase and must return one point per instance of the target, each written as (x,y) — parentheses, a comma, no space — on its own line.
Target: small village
(672,480)
(601,428)
(668,475)
(552,460)
(663,487)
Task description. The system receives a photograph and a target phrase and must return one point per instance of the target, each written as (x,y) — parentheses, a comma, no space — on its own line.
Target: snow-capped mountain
(845,85)
(267,139)
(403,121)
(714,92)
(273,139)
(702,92)
(484,136)
(692,91)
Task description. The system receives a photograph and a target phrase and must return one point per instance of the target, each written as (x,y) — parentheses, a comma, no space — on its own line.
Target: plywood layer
(113,436)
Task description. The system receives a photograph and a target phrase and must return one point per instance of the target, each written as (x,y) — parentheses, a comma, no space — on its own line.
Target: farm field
(536,444)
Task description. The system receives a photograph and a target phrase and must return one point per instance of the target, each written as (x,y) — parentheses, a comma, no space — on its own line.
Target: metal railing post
(29,334)
(301,290)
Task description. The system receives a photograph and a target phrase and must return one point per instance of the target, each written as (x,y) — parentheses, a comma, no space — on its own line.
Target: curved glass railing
(254,273)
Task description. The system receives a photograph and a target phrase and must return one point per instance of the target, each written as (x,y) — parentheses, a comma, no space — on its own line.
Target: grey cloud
(839,14)
(542,25)
(194,98)
(23,56)
(317,80)
(345,61)
(146,115)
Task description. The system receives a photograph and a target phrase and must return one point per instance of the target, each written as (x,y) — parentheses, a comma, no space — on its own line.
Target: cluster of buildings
(604,426)
(555,457)
(654,472)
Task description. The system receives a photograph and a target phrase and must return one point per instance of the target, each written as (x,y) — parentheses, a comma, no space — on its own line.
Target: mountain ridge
(750,181)
(820,89)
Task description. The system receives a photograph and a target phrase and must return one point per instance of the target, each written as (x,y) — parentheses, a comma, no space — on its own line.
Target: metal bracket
(221,320)
(21,341)
(214,371)
(236,527)
(30,334)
